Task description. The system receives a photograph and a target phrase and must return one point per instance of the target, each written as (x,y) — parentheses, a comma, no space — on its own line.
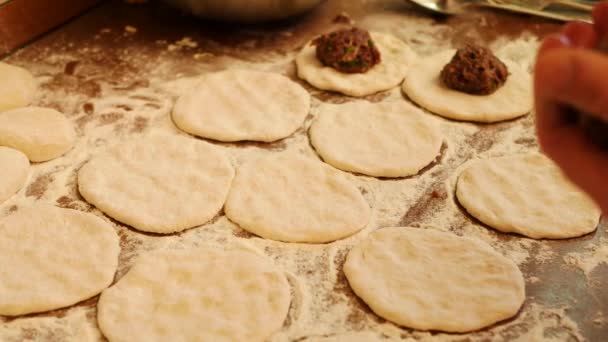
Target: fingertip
(573,77)
(550,71)
(600,17)
(580,34)
(554,41)
(579,160)
(548,122)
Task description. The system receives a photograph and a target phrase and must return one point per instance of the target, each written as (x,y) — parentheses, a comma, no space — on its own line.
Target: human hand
(571,78)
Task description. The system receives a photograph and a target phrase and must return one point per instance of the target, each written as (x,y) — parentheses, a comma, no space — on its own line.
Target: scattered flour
(184,43)
(592,257)
(74,327)
(111,105)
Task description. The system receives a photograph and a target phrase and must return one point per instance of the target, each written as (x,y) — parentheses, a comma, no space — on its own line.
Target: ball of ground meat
(347,50)
(474,70)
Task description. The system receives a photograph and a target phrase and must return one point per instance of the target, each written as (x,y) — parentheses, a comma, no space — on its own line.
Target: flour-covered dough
(351,337)
(196,295)
(431,280)
(159,183)
(53,258)
(41,133)
(526,194)
(241,105)
(512,100)
(397,59)
(293,198)
(17,87)
(14,169)
(390,139)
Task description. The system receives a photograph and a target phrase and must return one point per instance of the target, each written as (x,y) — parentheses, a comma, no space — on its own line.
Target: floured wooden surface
(116,72)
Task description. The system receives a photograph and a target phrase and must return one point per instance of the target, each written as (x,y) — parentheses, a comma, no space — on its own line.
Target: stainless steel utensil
(448,6)
(543,4)
(564,10)
(246,10)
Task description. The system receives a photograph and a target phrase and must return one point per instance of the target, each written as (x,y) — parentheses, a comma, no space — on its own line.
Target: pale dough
(423,86)
(526,194)
(14,169)
(432,280)
(196,295)
(53,258)
(159,183)
(293,198)
(41,133)
(390,139)
(17,87)
(351,337)
(241,105)
(397,59)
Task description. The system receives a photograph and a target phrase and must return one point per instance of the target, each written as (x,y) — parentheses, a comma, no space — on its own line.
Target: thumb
(573,77)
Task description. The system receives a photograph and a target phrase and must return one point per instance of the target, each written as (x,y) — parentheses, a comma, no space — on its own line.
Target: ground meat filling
(348,50)
(474,70)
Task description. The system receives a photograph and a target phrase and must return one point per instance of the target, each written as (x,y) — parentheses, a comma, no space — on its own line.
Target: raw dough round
(53,258)
(432,280)
(526,194)
(424,87)
(241,105)
(159,184)
(351,337)
(17,87)
(397,58)
(392,139)
(14,169)
(41,133)
(292,198)
(196,295)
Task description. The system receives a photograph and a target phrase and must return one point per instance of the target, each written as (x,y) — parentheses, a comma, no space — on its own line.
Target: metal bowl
(245,10)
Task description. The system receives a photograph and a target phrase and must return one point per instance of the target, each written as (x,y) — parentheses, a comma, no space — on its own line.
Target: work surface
(117,70)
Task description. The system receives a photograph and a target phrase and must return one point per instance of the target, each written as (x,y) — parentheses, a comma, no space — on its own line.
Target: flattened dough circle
(239,105)
(292,198)
(349,337)
(526,194)
(432,280)
(14,169)
(159,184)
(196,295)
(512,100)
(392,139)
(41,133)
(17,87)
(397,59)
(53,258)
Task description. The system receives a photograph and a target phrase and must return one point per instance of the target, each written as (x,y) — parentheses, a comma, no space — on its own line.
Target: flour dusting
(134,94)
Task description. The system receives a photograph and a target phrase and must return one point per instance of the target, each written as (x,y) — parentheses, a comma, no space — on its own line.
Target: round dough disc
(392,139)
(14,169)
(196,295)
(396,60)
(349,337)
(292,198)
(512,100)
(526,194)
(53,258)
(241,105)
(158,184)
(17,87)
(431,280)
(41,133)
